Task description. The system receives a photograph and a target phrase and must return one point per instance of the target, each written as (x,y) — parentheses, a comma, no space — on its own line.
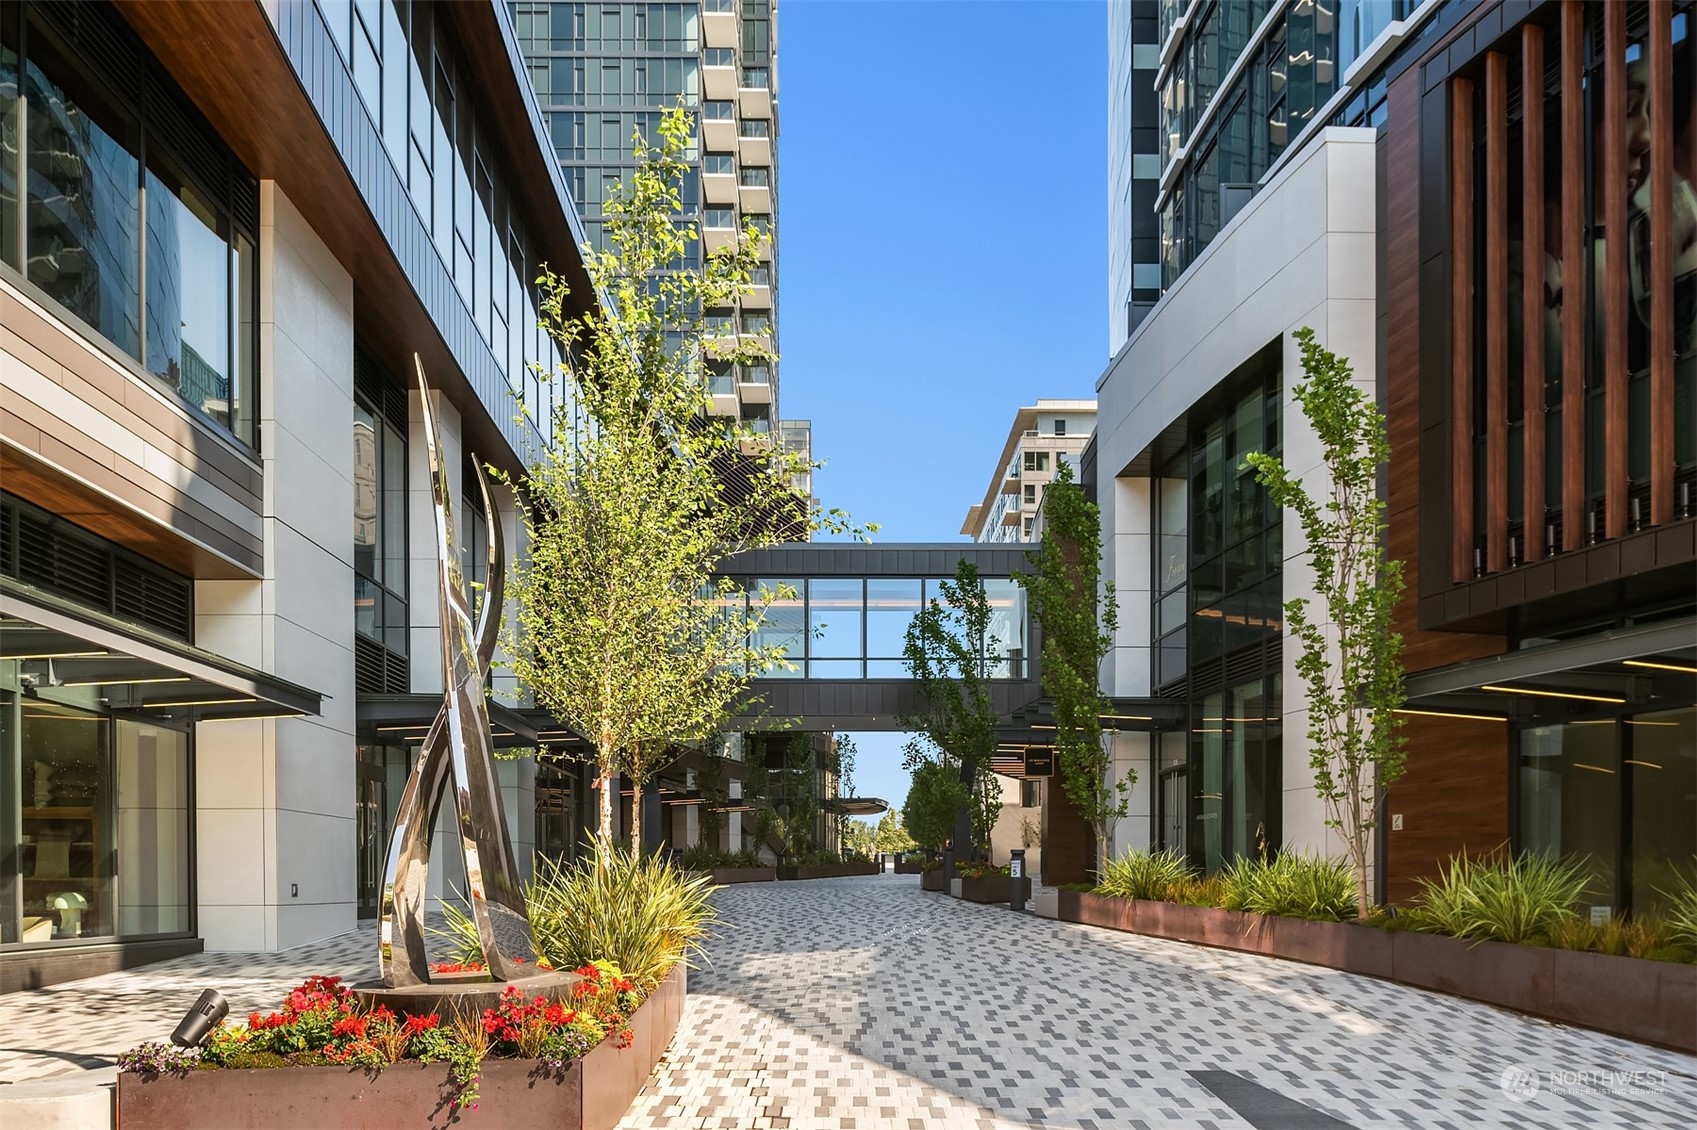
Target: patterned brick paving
(847,1004)
(854,1004)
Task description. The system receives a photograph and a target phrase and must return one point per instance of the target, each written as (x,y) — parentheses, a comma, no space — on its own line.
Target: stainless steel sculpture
(459,752)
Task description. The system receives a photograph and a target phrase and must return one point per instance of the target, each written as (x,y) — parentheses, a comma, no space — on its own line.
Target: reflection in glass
(833,618)
(1570,798)
(84,204)
(153,830)
(784,626)
(188,296)
(890,607)
(8,147)
(1662,766)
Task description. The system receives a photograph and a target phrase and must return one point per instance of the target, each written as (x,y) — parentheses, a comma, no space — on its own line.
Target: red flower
(382,1013)
(417,1024)
(349,1026)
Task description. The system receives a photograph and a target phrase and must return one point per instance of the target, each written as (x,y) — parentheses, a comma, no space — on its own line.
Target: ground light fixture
(200,1020)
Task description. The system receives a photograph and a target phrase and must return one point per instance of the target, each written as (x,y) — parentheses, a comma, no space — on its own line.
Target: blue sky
(943,218)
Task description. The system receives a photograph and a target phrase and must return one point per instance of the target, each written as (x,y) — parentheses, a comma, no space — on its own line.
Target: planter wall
(931,881)
(725,876)
(591,1093)
(994,888)
(905,868)
(827,870)
(1650,1001)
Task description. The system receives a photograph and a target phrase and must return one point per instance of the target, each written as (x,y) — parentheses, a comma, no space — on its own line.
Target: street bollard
(1016,879)
(948,866)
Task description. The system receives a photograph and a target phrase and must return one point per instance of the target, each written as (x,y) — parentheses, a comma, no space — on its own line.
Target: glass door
(1175,792)
(372,830)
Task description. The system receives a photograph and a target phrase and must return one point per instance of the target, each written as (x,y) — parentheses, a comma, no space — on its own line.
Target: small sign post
(1016,879)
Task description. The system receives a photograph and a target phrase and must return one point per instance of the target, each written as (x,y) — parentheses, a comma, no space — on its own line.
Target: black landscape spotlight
(201,1019)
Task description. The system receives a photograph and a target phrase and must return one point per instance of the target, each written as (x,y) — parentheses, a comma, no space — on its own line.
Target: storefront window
(1570,800)
(1661,765)
(95,823)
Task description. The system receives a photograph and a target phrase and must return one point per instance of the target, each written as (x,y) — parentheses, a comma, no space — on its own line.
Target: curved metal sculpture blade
(458,751)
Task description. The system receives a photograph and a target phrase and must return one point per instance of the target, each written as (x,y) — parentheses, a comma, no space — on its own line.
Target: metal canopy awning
(856,805)
(132,669)
(406,718)
(1635,666)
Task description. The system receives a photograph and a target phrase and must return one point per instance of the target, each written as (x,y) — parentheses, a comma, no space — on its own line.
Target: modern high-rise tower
(602,70)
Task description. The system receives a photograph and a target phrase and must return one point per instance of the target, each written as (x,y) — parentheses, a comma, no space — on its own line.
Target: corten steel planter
(905,868)
(726,876)
(1095,910)
(931,880)
(1650,1001)
(591,1093)
(992,888)
(827,870)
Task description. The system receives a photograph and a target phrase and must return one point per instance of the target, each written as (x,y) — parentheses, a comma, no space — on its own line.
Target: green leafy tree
(859,840)
(1349,658)
(947,651)
(1078,613)
(624,630)
(891,834)
(843,755)
(934,801)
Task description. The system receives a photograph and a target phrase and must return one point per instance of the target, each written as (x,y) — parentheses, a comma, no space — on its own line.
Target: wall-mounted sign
(1039,762)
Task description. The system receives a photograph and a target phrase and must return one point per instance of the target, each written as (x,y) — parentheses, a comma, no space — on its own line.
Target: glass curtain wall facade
(134,220)
(854,628)
(410,74)
(1246,79)
(604,72)
(380,531)
(1134,165)
(1217,619)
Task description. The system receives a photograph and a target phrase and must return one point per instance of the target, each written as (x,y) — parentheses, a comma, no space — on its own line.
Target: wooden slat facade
(1532,291)
(1573,289)
(1614,296)
(1661,260)
(1496,312)
(1461,325)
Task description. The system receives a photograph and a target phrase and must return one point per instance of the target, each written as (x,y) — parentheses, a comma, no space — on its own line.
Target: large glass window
(89,240)
(95,813)
(380,532)
(1570,800)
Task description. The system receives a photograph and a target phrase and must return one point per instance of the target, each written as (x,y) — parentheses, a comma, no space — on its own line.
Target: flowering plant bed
(1639,999)
(323,1062)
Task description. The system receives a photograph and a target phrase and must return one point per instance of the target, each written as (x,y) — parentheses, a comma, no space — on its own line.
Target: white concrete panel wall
(1131,757)
(1126,528)
(275,852)
(1302,254)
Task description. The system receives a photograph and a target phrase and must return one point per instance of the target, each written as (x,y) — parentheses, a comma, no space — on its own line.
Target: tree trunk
(636,819)
(604,783)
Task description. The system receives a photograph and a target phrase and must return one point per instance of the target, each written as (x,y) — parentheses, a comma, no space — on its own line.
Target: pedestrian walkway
(865,1004)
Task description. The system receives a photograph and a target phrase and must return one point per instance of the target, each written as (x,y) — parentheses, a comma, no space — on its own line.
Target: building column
(275,799)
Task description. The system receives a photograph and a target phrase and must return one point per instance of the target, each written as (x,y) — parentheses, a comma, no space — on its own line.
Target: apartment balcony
(1011,484)
(718,188)
(719,29)
(755,199)
(1011,516)
(757,298)
(719,135)
(754,101)
(714,238)
(755,150)
(755,392)
(724,404)
(719,83)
